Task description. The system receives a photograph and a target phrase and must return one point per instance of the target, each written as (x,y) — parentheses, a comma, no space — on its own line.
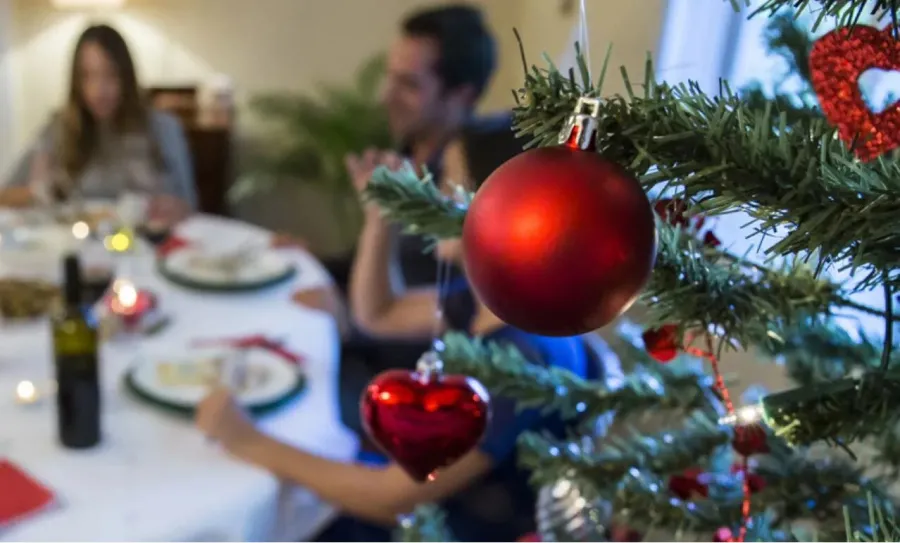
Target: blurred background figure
(106,140)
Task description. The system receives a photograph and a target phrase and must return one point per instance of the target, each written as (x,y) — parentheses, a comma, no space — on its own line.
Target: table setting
(209,305)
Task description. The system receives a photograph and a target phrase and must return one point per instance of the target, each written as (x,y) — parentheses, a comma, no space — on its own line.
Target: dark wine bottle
(76,348)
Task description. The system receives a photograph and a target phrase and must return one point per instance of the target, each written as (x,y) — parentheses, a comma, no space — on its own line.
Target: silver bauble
(564,515)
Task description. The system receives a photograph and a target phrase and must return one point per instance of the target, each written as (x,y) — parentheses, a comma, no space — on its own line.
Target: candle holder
(28,394)
(127,309)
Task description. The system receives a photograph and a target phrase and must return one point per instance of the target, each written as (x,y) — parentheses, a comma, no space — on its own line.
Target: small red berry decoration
(755,481)
(710,239)
(672,211)
(723,535)
(689,484)
(663,343)
(750,439)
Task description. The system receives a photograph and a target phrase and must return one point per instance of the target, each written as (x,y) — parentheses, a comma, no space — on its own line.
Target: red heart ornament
(424,423)
(836,61)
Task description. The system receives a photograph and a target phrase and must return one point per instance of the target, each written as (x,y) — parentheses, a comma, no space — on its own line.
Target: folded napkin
(256,342)
(20,495)
(172,243)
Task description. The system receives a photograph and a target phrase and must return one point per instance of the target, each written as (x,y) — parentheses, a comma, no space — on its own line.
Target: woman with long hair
(106,139)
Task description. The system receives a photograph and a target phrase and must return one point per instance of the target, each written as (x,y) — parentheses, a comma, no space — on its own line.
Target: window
(704,40)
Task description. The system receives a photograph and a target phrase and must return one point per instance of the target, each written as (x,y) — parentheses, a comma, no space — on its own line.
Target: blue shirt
(501,505)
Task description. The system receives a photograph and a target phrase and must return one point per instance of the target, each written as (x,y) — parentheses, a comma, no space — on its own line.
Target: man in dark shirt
(437,69)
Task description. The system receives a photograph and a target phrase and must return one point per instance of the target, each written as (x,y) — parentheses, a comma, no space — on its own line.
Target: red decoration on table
(144,302)
(836,62)
(172,243)
(662,343)
(21,495)
(256,342)
(425,420)
(689,484)
(559,241)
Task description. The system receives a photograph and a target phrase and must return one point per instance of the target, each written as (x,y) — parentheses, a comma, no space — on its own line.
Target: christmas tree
(832,185)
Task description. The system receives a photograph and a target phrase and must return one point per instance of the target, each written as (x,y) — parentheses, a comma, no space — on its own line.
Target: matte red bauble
(424,423)
(559,241)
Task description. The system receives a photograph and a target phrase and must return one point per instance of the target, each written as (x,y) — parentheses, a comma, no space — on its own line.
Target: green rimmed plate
(188,268)
(177,382)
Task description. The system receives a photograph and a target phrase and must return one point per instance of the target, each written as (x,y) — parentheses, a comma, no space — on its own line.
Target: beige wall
(289,44)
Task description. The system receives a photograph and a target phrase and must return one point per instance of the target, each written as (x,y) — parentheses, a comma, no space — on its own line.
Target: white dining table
(154,477)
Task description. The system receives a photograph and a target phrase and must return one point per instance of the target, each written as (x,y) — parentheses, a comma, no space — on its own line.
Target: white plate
(193,265)
(269,377)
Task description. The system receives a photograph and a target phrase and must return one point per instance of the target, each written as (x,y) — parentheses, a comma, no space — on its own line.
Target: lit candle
(81,230)
(129,302)
(26,393)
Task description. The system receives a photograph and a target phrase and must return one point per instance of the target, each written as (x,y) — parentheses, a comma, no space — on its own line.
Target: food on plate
(26,298)
(210,372)
(204,372)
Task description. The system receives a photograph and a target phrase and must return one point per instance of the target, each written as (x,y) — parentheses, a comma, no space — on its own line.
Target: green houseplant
(306,138)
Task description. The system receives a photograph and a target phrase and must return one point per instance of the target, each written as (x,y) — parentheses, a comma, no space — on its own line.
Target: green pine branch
(505,371)
(425,523)
(416,203)
(693,285)
(723,155)
(844,12)
(670,452)
(796,488)
(838,412)
(816,350)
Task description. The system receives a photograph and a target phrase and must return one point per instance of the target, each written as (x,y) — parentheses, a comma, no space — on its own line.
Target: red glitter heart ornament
(424,422)
(836,61)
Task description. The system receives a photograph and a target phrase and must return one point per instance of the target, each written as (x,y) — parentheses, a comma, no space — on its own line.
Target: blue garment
(499,506)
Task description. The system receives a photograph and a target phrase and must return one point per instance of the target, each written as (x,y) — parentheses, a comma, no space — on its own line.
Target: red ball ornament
(836,61)
(663,343)
(559,241)
(424,420)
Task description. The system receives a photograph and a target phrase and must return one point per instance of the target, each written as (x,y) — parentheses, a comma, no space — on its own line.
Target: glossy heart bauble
(836,62)
(424,424)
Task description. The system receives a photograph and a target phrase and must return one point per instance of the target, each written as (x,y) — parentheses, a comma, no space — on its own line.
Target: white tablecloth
(154,478)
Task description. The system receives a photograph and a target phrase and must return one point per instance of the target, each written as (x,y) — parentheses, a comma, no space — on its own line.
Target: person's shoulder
(164,121)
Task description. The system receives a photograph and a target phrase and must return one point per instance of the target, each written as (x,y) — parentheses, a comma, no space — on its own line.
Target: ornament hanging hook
(580,130)
(430,364)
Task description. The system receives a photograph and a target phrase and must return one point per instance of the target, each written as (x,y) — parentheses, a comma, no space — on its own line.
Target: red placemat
(20,494)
